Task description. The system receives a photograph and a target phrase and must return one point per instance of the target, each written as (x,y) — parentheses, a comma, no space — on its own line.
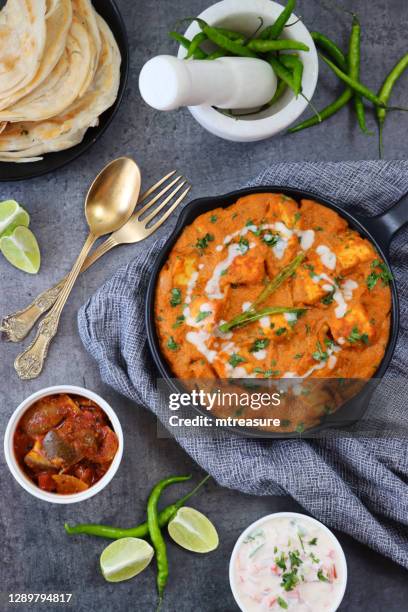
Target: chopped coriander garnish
(175,297)
(298,356)
(172,344)
(213,218)
(249,223)
(234,216)
(289,580)
(243,245)
(179,321)
(202,243)
(235,360)
(270,239)
(355,336)
(382,273)
(321,576)
(320,354)
(281,561)
(328,299)
(300,428)
(295,560)
(298,216)
(329,342)
(311,269)
(283,604)
(281,331)
(314,558)
(266,373)
(224,272)
(318,228)
(313,542)
(259,344)
(202,315)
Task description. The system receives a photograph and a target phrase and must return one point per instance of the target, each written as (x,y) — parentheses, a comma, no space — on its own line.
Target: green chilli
(385,93)
(354,57)
(275,30)
(186,43)
(265,46)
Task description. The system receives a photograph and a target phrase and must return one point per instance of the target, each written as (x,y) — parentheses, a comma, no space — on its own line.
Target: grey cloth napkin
(354,484)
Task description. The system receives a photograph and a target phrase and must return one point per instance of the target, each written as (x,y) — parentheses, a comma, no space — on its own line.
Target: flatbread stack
(59,71)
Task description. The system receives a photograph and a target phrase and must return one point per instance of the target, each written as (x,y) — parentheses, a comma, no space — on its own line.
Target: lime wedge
(193,531)
(21,250)
(11,216)
(125,558)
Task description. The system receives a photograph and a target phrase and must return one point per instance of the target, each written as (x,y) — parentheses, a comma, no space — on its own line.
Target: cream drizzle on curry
(338,298)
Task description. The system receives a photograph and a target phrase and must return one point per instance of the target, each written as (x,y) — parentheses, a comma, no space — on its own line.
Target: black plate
(379,230)
(52,161)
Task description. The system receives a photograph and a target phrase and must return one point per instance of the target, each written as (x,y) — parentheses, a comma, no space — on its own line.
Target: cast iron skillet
(379,230)
(52,161)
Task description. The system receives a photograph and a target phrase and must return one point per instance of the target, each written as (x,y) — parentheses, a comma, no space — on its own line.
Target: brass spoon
(109,203)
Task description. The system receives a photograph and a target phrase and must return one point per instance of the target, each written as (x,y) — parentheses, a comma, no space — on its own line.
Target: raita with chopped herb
(288,562)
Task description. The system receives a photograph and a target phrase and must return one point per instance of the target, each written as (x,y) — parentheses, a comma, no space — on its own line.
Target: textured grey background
(36,554)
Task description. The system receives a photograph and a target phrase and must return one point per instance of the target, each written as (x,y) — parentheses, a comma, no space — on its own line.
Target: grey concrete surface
(36,554)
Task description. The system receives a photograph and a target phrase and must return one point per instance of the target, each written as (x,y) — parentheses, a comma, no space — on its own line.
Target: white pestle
(167,83)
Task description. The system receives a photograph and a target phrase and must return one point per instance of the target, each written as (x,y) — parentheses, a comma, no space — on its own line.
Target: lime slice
(125,558)
(193,531)
(11,216)
(21,250)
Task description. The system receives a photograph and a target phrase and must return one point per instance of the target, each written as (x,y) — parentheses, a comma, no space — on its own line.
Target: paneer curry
(65,443)
(273,288)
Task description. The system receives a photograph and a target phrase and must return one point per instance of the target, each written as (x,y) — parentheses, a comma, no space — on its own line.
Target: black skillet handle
(383,227)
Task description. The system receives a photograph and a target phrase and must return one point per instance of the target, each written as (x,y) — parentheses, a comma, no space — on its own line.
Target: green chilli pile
(346,66)
(266,44)
(131,553)
(263,44)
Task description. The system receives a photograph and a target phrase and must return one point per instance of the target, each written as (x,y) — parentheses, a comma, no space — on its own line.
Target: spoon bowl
(113,196)
(109,203)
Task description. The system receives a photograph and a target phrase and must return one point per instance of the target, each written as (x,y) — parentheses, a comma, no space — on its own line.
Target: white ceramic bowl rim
(18,473)
(258,128)
(305,517)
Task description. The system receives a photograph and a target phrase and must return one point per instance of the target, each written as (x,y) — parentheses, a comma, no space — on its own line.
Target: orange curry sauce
(221,264)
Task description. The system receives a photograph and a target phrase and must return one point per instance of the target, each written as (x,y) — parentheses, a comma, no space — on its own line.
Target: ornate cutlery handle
(29,364)
(18,325)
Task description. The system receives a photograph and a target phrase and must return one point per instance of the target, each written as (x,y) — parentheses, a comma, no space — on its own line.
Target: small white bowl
(21,477)
(242,15)
(306,518)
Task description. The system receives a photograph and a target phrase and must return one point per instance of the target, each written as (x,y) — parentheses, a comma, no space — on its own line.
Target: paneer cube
(246,270)
(352,252)
(305,290)
(283,209)
(352,329)
(183,270)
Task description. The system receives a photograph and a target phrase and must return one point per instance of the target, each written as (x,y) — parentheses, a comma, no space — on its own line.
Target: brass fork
(16,326)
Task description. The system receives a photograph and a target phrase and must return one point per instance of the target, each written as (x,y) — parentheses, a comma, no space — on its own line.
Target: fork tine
(157,197)
(156,210)
(146,193)
(168,212)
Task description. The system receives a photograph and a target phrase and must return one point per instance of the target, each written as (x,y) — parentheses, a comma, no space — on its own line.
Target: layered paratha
(22,43)
(57,28)
(23,141)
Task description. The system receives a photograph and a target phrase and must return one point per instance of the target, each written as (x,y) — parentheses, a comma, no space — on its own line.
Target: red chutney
(65,443)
